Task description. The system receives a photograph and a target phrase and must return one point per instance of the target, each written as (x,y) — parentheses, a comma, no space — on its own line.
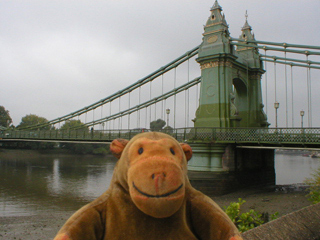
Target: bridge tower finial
(247,34)
(216,33)
(216,6)
(246,24)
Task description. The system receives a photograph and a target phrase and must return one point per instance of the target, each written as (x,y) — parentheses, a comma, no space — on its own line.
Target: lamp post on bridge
(168,112)
(276,106)
(301,114)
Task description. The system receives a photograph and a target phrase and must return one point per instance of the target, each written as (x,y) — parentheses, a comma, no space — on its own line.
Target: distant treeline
(78,148)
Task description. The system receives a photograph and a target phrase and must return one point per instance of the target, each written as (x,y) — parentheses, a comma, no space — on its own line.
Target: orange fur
(62,237)
(236,238)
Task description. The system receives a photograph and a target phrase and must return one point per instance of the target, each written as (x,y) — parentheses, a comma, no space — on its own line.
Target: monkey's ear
(187,150)
(117,147)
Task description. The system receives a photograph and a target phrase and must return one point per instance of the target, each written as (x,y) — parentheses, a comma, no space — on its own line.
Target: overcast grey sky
(60,55)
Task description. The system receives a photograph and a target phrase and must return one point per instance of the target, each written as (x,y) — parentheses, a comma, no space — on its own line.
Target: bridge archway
(240,96)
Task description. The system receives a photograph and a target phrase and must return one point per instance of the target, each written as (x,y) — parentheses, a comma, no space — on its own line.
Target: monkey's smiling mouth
(157,196)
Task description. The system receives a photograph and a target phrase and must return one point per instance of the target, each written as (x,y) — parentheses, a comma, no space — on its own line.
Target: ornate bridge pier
(230,96)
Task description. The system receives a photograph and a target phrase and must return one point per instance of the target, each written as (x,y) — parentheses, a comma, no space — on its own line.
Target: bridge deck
(266,137)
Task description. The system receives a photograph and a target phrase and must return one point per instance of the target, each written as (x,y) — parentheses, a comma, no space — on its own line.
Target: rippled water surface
(31,182)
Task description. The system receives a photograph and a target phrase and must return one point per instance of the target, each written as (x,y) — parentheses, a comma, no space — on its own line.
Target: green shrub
(248,220)
(314,189)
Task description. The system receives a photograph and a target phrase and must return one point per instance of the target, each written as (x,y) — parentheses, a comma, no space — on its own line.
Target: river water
(31,182)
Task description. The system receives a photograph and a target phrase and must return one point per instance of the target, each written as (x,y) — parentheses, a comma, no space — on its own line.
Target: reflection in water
(32,182)
(54,184)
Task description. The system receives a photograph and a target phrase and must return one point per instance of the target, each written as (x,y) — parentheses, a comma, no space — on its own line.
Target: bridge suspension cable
(146,104)
(266,81)
(286,45)
(149,78)
(292,105)
(309,94)
(291,62)
(292,58)
(175,99)
(286,48)
(286,85)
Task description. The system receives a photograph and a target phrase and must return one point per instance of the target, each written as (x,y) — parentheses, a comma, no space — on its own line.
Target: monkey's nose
(158,175)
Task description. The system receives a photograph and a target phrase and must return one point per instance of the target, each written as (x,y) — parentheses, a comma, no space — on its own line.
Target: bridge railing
(274,136)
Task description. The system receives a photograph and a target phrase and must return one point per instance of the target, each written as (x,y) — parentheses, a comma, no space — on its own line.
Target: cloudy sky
(60,55)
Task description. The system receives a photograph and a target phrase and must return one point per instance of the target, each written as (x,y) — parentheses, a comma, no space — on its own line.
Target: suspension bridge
(250,97)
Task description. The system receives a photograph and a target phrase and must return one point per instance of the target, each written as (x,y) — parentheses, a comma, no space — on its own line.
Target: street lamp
(276,106)
(168,112)
(301,114)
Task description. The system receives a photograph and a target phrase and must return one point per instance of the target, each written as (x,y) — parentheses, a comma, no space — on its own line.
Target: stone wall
(300,225)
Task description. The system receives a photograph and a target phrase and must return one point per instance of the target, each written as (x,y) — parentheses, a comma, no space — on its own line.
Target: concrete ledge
(301,225)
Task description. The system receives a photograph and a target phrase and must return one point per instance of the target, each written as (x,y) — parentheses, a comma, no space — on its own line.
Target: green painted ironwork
(223,61)
(277,49)
(147,103)
(230,94)
(286,45)
(290,63)
(258,136)
(171,65)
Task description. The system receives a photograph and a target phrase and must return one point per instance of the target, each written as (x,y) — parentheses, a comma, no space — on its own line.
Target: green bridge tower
(230,96)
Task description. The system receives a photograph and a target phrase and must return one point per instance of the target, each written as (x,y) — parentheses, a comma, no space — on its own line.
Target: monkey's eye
(172,151)
(140,151)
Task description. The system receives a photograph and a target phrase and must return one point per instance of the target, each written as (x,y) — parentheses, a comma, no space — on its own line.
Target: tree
(31,120)
(168,129)
(157,125)
(78,148)
(5,119)
(72,124)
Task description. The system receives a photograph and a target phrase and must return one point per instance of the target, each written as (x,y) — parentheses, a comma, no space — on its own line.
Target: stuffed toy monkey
(150,198)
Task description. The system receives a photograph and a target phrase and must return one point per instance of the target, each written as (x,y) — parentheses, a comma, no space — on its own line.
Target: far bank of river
(39,191)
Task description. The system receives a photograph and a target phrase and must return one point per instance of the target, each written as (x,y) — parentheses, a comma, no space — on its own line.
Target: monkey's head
(153,168)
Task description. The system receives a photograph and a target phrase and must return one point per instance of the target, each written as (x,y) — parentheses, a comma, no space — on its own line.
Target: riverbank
(44,225)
